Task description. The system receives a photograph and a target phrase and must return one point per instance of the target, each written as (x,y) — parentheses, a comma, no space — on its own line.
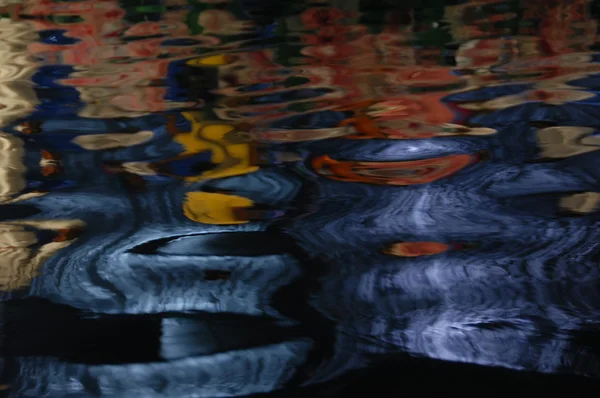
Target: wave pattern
(369,180)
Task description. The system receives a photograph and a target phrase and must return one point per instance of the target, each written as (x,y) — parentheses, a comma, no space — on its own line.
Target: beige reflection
(583,203)
(550,97)
(301,135)
(12,169)
(565,141)
(99,142)
(115,102)
(17,98)
(222,22)
(21,262)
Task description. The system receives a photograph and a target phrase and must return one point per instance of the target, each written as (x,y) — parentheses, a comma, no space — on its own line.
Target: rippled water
(213,198)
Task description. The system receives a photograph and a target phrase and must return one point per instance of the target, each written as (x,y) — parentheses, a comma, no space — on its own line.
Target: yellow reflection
(231,158)
(212,60)
(215,208)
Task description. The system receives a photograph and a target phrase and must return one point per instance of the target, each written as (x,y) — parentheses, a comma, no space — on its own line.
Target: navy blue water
(214,198)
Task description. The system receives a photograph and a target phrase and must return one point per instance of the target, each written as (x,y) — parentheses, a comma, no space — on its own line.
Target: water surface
(213,198)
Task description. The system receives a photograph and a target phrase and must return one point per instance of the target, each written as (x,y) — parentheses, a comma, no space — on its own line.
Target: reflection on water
(220,198)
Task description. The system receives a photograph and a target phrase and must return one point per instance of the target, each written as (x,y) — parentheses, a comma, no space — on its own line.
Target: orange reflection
(417,249)
(411,172)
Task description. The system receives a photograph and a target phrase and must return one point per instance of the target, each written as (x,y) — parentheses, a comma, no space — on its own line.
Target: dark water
(212,198)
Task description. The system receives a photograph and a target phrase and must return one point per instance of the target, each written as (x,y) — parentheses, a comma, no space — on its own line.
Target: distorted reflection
(219,198)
